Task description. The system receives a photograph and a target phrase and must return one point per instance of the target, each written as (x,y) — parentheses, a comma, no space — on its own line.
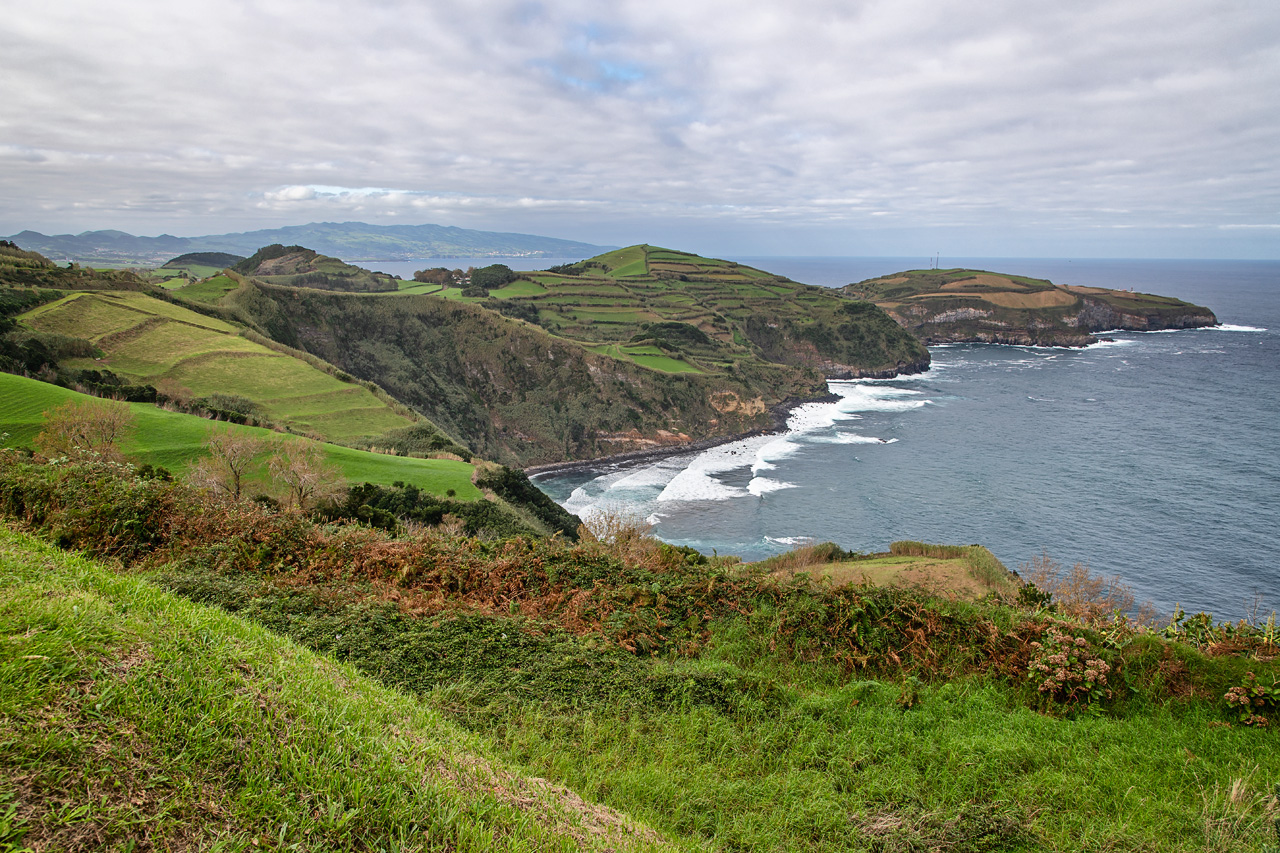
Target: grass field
(173,440)
(151,341)
(209,289)
(409,286)
(647,356)
(131,715)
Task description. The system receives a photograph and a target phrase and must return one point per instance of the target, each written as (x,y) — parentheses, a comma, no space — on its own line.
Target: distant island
(976,306)
(351,241)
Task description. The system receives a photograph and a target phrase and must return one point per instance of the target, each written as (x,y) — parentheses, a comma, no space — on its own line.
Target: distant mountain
(351,241)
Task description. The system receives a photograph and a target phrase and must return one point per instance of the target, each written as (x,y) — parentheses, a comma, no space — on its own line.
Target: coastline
(777,424)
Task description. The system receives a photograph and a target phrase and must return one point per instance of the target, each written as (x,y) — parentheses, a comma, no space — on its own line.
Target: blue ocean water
(1154,457)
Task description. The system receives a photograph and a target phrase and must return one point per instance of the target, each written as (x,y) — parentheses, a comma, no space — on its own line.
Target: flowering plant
(1252,701)
(1067,670)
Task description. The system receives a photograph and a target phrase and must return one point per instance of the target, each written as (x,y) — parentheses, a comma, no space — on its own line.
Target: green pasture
(665,363)
(416,287)
(165,276)
(646,356)
(622,257)
(519,287)
(174,440)
(209,290)
(637,267)
(155,348)
(148,340)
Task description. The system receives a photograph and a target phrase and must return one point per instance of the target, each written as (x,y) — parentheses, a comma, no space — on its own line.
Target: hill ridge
(352,241)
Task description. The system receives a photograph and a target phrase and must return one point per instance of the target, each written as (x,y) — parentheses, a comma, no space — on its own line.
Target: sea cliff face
(1098,316)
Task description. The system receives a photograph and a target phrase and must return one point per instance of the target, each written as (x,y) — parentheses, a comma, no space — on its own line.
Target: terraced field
(623,304)
(147,340)
(174,441)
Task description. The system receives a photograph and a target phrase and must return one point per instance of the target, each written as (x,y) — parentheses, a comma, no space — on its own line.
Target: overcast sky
(1095,128)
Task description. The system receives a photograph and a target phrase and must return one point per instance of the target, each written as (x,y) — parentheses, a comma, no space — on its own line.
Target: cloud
(818,118)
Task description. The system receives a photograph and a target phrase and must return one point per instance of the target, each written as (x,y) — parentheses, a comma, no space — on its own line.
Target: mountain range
(351,241)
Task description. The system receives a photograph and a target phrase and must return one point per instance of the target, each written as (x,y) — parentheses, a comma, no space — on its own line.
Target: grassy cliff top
(1000,289)
(679,312)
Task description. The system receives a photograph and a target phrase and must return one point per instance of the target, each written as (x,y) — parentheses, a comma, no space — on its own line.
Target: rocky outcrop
(1096,315)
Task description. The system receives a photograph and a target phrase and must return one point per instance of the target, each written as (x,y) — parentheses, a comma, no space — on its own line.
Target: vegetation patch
(135,720)
(725,707)
(956,305)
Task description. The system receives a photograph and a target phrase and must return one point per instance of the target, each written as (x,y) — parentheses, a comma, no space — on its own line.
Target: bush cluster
(631,594)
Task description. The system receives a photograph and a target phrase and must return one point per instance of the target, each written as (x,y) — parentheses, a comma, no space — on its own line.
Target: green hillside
(635,349)
(174,441)
(512,391)
(135,720)
(708,315)
(947,306)
(147,340)
(301,267)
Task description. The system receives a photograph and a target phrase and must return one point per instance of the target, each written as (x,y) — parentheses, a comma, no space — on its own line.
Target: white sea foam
(650,476)
(854,438)
(788,540)
(760,486)
(697,481)
(1230,327)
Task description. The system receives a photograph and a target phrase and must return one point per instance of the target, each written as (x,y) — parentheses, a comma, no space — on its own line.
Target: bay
(1153,457)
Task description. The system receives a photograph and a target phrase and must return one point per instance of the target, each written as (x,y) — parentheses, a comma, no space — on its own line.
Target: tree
(300,467)
(435,275)
(492,276)
(231,456)
(78,429)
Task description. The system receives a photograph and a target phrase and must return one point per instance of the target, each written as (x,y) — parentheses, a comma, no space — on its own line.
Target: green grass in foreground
(742,749)
(173,440)
(848,768)
(723,709)
(135,720)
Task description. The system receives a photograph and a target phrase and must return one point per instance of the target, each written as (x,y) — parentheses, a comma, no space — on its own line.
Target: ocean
(1153,456)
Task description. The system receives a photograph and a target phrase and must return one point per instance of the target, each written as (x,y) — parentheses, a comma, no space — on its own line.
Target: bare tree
(231,457)
(299,465)
(78,429)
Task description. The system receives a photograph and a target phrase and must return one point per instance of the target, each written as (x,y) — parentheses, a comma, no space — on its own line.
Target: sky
(1096,128)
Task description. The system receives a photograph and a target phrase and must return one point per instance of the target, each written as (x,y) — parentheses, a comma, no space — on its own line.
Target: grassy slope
(135,720)
(174,440)
(148,340)
(616,293)
(715,364)
(509,389)
(761,734)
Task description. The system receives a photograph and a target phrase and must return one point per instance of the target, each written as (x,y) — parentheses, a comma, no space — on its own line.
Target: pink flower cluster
(1067,670)
(1251,697)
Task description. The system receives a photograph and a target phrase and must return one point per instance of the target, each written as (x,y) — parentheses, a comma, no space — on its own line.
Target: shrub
(84,428)
(1080,594)
(1067,671)
(1253,702)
